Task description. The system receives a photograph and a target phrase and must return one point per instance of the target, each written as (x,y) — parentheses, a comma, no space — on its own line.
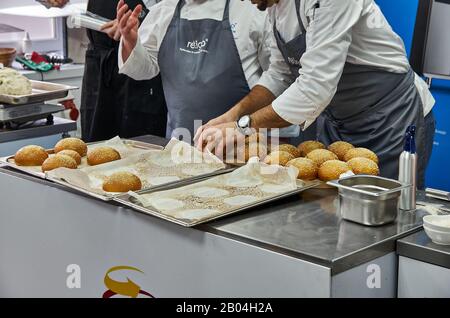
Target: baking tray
(129,201)
(166,186)
(42,175)
(41,92)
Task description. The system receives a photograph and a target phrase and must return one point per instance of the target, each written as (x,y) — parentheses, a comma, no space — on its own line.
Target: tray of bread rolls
(246,187)
(178,163)
(75,154)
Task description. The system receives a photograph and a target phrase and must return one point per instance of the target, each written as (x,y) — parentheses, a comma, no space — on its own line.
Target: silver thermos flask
(408,171)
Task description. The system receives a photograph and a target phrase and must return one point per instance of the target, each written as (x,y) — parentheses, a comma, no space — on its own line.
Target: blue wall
(401,15)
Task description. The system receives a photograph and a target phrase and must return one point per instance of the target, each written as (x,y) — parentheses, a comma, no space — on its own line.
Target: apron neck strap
(181,3)
(297,10)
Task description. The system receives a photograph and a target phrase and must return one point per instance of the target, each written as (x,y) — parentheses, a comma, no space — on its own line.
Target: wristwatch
(243,124)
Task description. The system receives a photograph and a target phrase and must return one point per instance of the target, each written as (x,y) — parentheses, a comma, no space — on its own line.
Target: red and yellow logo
(128,288)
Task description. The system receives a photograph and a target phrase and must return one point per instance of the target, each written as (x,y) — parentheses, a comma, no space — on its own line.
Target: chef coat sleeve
(329,35)
(276,76)
(142,64)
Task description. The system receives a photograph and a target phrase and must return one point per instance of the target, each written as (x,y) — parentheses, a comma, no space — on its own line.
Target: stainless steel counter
(307,227)
(419,246)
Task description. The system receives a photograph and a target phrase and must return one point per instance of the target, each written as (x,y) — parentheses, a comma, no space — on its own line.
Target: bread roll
(308,146)
(307,169)
(288,148)
(340,148)
(101,155)
(278,158)
(319,156)
(71,153)
(122,182)
(30,156)
(249,150)
(331,170)
(59,161)
(361,165)
(361,152)
(74,144)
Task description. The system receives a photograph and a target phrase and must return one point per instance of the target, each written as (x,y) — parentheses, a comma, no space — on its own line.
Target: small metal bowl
(368,200)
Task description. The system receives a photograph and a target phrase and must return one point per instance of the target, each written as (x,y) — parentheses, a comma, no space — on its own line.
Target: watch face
(244,121)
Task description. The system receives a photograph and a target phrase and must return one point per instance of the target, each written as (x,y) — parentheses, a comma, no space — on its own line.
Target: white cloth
(339,31)
(253,35)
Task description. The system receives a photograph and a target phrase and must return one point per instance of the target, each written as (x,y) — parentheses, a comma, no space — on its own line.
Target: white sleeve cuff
(275,86)
(132,66)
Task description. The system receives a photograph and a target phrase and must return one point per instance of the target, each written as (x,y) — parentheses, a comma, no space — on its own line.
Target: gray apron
(292,52)
(201,70)
(372,108)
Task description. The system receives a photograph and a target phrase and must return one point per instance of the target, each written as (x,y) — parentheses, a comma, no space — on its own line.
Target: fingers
(199,132)
(108,25)
(121,11)
(131,25)
(124,21)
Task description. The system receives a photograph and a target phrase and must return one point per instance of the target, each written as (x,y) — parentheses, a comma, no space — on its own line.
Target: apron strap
(300,22)
(226,11)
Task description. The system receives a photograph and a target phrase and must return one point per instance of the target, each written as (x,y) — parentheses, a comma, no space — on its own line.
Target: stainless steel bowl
(368,200)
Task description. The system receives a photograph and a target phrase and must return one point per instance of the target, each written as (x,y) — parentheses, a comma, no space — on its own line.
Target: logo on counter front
(126,288)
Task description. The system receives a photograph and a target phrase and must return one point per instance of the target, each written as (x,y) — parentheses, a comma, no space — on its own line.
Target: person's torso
(374,43)
(248,25)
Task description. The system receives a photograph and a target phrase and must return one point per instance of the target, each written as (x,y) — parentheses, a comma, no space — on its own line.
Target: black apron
(111,103)
(372,108)
(201,71)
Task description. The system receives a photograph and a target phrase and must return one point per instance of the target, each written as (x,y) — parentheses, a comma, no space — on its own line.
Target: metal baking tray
(131,202)
(41,92)
(42,175)
(166,186)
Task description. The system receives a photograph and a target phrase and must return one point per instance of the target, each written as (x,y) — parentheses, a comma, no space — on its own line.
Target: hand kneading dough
(288,148)
(14,83)
(122,182)
(30,156)
(74,144)
(331,170)
(363,166)
(101,155)
(308,146)
(340,148)
(307,169)
(59,161)
(320,156)
(361,152)
(278,158)
(71,153)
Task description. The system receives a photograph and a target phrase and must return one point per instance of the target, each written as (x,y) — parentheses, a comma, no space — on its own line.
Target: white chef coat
(340,31)
(252,32)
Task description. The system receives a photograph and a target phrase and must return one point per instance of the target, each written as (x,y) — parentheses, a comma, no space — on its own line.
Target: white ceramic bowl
(437,222)
(438,237)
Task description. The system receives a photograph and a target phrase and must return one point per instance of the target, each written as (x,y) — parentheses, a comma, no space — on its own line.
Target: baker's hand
(225,118)
(128,26)
(58,3)
(111,28)
(220,140)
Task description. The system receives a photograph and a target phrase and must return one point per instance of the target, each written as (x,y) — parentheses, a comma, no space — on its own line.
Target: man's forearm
(258,98)
(267,118)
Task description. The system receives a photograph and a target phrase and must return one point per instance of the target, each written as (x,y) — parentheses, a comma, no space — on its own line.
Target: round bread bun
(30,156)
(278,158)
(308,146)
(288,148)
(361,152)
(331,170)
(340,148)
(361,165)
(320,156)
(71,153)
(122,182)
(249,150)
(307,169)
(101,155)
(59,161)
(74,144)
